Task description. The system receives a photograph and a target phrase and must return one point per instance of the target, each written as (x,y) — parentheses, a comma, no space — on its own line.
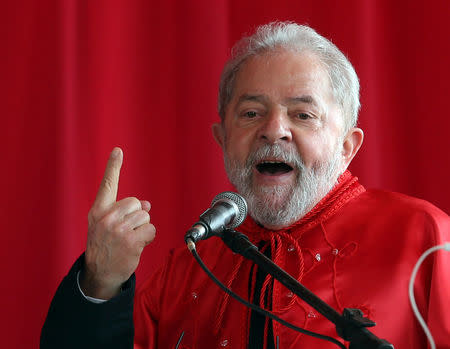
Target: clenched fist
(118,232)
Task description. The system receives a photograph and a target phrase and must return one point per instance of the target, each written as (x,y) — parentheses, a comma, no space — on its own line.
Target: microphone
(228,210)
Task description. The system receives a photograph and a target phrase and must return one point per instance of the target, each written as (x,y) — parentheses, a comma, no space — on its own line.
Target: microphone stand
(351,325)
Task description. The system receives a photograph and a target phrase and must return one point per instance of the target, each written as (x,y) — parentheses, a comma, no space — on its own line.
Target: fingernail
(115,153)
(146,203)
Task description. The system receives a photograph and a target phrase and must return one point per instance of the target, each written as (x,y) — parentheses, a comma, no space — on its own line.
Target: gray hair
(298,38)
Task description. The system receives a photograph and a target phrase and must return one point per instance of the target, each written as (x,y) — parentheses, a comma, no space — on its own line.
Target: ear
(352,142)
(219,134)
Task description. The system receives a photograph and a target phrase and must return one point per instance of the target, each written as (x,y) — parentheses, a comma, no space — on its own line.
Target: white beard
(282,205)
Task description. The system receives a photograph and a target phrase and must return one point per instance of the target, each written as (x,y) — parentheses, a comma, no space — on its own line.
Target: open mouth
(273,168)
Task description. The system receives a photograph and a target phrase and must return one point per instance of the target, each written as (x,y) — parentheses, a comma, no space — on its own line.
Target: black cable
(191,248)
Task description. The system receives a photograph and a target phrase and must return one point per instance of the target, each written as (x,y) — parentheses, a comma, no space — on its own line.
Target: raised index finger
(107,193)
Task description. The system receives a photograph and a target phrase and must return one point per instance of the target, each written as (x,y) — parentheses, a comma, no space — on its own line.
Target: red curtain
(79,77)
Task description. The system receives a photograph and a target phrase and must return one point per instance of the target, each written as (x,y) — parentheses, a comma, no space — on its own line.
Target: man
(288,102)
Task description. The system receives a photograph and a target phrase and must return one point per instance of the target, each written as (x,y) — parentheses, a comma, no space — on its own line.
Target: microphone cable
(412,299)
(192,249)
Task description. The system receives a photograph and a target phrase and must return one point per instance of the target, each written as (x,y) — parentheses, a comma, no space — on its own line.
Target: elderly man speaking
(289,103)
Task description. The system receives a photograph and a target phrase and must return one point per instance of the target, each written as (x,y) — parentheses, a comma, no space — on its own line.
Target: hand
(117,234)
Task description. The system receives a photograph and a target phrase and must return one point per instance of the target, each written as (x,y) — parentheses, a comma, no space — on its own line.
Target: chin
(274,207)
(273,196)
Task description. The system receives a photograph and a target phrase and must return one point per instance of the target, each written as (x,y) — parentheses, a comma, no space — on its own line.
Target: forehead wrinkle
(306,99)
(249,97)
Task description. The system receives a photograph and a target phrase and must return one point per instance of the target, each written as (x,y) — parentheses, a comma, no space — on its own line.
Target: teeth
(271,162)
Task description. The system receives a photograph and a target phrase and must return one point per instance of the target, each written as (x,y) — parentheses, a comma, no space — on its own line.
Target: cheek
(238,145)
(315,149)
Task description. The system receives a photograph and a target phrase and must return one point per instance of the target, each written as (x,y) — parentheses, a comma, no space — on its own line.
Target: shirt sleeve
(90,299)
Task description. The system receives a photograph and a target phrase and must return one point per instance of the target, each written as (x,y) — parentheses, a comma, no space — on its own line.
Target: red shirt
(355,249)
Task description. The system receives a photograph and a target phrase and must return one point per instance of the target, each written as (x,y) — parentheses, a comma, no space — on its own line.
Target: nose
(275,128)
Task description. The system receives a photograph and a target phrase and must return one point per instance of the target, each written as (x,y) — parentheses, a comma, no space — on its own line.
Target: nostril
(275,139)
(275,130)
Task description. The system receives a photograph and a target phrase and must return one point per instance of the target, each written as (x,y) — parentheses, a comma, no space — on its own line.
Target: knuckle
(108,220)
(131,203)
(108,183)
(145,216)
(149,240)
(93,214)
(106,223)
(122,228)
(134,201)
(150,232)
(146,235)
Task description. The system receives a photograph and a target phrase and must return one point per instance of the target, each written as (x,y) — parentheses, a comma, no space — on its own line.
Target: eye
(250,114)
(302,116)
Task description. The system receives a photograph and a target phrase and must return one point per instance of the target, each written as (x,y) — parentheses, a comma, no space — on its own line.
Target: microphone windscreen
(240,203)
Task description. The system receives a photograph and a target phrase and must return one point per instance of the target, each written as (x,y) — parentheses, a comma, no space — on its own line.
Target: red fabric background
(79,77)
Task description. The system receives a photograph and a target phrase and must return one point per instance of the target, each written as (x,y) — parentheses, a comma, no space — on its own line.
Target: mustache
(287,155)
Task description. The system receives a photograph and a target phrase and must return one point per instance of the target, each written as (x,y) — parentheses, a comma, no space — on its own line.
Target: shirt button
(312,314)
(224,343)
(335,251)
(289,294)
(194,295)
(317,257)
(291,248)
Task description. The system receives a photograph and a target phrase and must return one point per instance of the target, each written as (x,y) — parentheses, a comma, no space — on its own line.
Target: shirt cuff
(91,299)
